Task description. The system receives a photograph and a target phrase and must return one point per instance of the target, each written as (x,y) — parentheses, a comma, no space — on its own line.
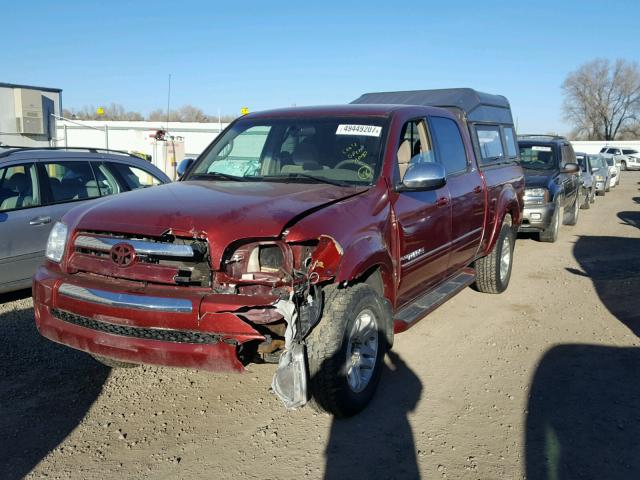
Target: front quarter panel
(362,227)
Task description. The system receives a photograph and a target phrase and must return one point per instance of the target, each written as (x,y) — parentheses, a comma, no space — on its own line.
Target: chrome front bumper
(125,300)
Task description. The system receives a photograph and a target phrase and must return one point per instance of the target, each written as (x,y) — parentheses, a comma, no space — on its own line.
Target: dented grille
(165,260)
(165,335)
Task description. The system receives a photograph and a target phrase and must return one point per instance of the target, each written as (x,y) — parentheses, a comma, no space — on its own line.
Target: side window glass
(490,143)
(450,146)
(415,145)
(509,136)
(70,181)
(19,187)
(107,182)
(134,177)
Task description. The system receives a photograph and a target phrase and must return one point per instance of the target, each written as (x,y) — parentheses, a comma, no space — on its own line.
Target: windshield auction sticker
(541,149)
(366,130)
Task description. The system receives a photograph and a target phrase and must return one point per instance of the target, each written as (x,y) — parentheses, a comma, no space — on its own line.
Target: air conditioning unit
(28,106)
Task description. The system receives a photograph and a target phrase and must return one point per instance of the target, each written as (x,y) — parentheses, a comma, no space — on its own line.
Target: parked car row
(560,182)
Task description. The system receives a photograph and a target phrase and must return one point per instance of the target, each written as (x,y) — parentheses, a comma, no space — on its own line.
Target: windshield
(537,157)
(341,151)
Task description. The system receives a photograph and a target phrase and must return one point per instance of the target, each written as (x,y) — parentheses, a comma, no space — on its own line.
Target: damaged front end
(289,278)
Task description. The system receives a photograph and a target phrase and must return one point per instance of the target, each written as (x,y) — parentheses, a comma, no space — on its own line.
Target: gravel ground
(540,382)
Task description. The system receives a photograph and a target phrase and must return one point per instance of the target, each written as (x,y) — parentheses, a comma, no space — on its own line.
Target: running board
(427,303)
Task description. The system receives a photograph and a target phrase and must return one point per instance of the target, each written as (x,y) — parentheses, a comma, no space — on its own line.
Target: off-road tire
(550,234)
(570,216)
(110,362)
(488,278)
(327,349)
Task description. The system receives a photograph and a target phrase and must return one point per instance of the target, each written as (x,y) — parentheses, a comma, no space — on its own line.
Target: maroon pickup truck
(305,237)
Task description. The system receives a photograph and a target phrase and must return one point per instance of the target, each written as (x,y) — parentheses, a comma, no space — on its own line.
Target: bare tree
(189,113)
(114,111)
(601,98)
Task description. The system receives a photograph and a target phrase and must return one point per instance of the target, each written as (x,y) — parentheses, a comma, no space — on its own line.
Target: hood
(538,178)
(222,212)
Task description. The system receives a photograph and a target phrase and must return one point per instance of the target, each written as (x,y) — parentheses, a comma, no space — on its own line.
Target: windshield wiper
(217,176)
(293,176)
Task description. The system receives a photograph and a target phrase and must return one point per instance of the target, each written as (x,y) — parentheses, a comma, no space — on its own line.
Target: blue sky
(271,54)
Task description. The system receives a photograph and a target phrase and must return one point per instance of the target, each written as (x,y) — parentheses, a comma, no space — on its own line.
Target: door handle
(478,189)
(40,221)
(442,201)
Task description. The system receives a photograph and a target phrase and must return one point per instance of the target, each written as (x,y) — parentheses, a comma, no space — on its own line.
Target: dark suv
(552,184)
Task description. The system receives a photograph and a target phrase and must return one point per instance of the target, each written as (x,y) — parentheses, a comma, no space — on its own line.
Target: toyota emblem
(123,254)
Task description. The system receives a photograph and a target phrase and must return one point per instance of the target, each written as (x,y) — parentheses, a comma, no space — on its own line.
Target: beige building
(26,115)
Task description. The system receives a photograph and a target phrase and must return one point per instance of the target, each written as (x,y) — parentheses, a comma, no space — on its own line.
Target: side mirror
(423,176)
(570,168)
(184,165)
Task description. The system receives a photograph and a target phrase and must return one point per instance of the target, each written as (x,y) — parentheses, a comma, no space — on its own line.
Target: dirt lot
(540,382)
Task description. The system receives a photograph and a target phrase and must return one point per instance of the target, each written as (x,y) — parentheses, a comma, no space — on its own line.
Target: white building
(26,115)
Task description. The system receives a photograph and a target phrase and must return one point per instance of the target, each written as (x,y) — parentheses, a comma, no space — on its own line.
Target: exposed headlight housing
(266,261)
(57,242)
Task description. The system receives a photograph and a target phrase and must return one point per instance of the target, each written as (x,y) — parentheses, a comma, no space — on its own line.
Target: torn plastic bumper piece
(290,380)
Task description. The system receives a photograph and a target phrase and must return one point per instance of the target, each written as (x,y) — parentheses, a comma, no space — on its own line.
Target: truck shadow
(378,442)
(583,419)
(45,391)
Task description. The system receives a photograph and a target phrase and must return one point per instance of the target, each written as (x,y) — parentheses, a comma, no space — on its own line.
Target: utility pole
(168,103)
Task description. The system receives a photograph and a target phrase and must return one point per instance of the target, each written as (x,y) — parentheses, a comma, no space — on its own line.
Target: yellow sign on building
(100,111)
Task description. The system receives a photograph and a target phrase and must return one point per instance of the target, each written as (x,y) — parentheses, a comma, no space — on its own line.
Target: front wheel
(570,216)
(493,272)
(346,350)
(623,165)
(550,234)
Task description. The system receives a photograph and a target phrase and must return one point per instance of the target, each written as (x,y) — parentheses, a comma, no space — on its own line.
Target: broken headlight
(266,260)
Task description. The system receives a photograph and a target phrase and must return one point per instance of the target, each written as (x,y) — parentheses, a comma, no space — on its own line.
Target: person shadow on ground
(378,442)
(583,419)
(46,390)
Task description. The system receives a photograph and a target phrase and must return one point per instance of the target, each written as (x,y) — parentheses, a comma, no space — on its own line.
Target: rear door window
(510,138)
(70,181)
(19,187)
(134,177)
(449,143)
(490,143)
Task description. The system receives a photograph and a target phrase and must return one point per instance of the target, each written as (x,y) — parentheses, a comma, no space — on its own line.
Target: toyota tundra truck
(306,237)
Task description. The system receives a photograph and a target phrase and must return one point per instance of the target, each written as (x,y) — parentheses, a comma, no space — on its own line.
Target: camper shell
(473,108)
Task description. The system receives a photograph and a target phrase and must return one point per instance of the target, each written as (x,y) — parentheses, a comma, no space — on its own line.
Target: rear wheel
(346,350)
(494,271)
(587,199)
(550,234)
(110,362)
